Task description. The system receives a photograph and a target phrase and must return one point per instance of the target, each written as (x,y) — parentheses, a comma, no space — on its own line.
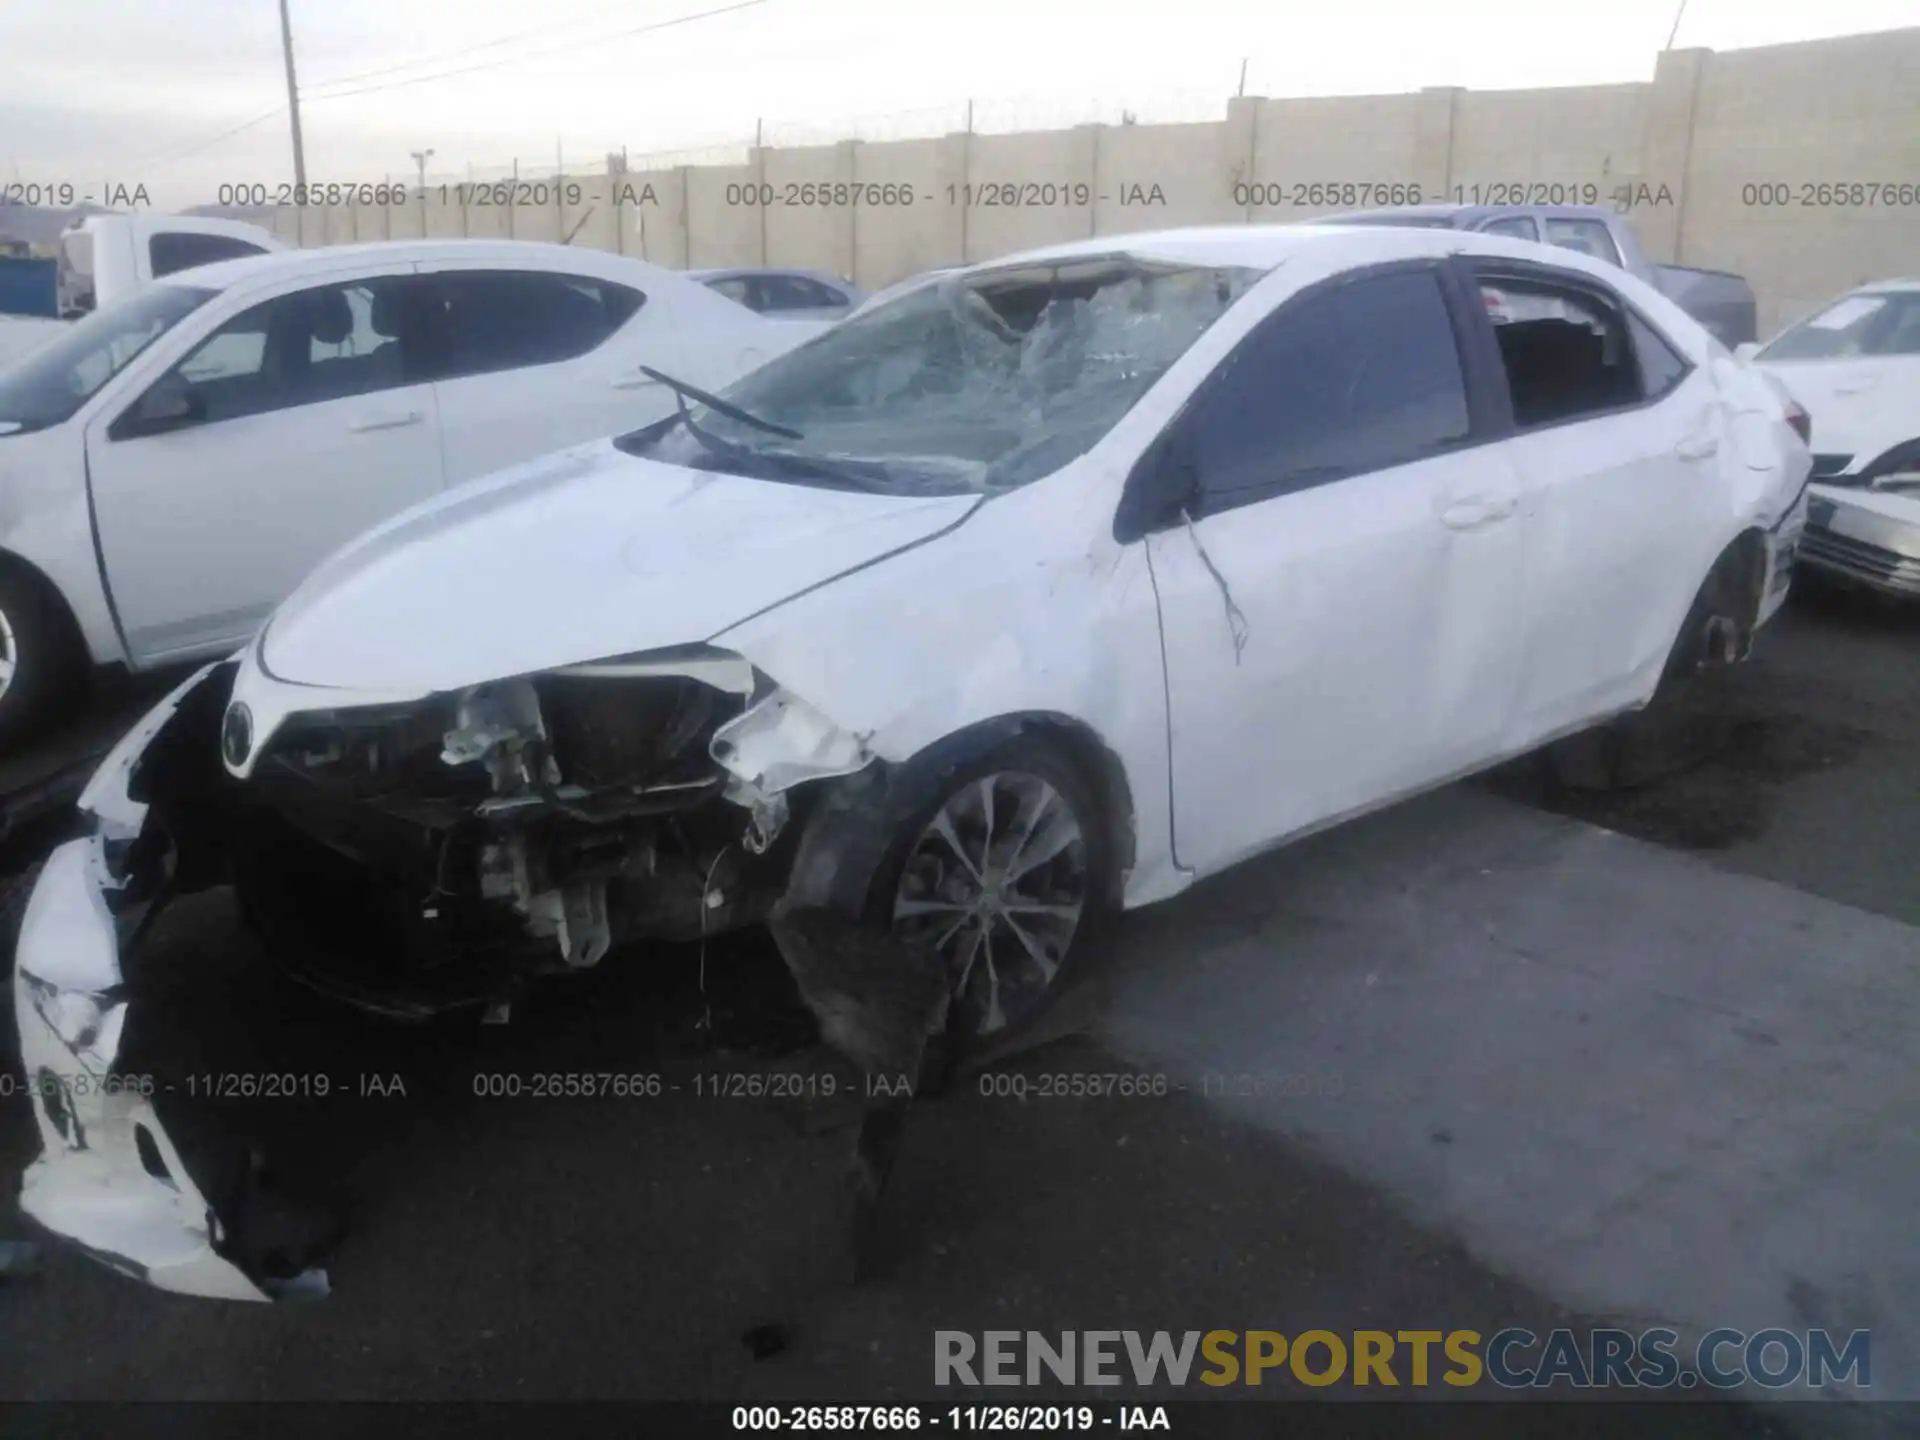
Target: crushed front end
(424,855)
(410,855)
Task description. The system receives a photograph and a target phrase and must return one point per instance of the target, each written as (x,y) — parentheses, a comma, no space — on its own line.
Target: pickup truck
(105,258)
(1721,302)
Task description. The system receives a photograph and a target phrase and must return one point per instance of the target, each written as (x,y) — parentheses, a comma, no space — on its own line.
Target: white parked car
(1855,365)
(785,294)
(176,462)
(1036,593)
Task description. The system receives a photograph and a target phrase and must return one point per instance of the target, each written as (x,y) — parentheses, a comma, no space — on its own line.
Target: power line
(470,49)
(549,50)
(169,156)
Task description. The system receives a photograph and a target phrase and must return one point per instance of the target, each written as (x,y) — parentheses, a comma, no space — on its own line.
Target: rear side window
(1520,227)
(795,292)
(1661,366)
(489,320)
(1589,237)
(736,288)
(168,253)
(1566,352)
(1360,377)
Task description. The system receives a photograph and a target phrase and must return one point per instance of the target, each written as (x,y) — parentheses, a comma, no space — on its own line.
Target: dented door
(1339,620)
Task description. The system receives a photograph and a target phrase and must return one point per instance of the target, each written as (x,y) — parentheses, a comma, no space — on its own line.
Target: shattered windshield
(977,383)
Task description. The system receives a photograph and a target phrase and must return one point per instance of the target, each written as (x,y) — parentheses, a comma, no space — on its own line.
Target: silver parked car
(785,294)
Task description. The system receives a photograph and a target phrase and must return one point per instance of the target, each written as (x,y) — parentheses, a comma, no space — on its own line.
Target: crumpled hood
(581,555)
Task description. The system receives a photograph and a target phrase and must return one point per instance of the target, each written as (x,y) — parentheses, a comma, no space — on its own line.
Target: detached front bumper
(110,1178)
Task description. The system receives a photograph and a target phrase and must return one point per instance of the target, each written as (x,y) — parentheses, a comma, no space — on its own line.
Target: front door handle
(1471,511)
(389,421)
(1697,447)
(1857,387)
(632,380)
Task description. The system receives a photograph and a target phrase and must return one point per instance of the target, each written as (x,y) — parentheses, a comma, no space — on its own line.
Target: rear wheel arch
(1732,592)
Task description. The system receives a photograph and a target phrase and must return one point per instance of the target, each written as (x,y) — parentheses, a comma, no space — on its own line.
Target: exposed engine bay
(421,858)
(449,850)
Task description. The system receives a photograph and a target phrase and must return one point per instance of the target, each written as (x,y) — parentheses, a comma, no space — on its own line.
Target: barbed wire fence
(985,116)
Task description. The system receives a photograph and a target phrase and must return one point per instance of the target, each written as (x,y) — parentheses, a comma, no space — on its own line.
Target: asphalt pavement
(693,1244)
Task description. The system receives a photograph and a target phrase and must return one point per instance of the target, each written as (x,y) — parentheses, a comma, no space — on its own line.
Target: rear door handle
(1697,447)
(389,421)
(1471,511)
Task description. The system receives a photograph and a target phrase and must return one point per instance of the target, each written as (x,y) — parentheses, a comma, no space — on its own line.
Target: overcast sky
(125,91)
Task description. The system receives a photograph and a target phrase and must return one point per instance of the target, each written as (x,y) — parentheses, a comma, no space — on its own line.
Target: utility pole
(420,158)
(293,98)
(1673,34)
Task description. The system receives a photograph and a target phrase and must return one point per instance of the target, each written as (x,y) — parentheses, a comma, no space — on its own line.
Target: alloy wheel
(997,882)
(9,653)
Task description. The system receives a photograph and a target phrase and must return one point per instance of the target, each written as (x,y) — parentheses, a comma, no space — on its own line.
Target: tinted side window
(1359,377)
(789,292)
(1661,366)
(1589,237)
(735,287)
(795,292)
(1521,227)
(490,320)
(329,343)
(168,253)
(1566,351)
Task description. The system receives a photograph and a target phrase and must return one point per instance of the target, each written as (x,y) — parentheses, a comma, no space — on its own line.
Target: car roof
(1457,214)
(1888,287)
(1263,247)
(736,271)
(224,274)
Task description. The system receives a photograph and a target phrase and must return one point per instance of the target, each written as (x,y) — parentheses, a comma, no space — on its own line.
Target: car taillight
(1801,422)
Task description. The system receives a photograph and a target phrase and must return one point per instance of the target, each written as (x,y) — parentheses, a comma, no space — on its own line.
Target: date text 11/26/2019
(962,1419)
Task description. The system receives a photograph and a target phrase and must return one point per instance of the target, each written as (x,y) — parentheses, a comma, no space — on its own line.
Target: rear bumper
(1861,546)
(1786,547)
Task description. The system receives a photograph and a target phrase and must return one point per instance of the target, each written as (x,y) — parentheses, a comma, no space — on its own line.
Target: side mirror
(1165,481)
(169,404)
(1746,351)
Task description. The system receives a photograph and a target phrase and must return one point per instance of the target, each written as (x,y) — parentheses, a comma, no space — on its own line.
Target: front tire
(40,656)
(1004,872)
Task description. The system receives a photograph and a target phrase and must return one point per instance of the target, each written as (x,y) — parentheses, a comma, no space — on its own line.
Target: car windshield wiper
(826,470)
(686,392)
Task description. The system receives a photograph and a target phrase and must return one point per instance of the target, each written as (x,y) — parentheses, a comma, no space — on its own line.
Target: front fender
(1030,608)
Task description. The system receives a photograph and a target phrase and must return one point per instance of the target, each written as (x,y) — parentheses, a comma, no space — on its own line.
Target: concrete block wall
(1720,160)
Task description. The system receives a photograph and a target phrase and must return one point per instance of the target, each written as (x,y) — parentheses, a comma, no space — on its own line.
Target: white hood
(582,555)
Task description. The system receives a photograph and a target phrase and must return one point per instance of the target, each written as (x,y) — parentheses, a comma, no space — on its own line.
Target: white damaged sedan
(1030,594)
